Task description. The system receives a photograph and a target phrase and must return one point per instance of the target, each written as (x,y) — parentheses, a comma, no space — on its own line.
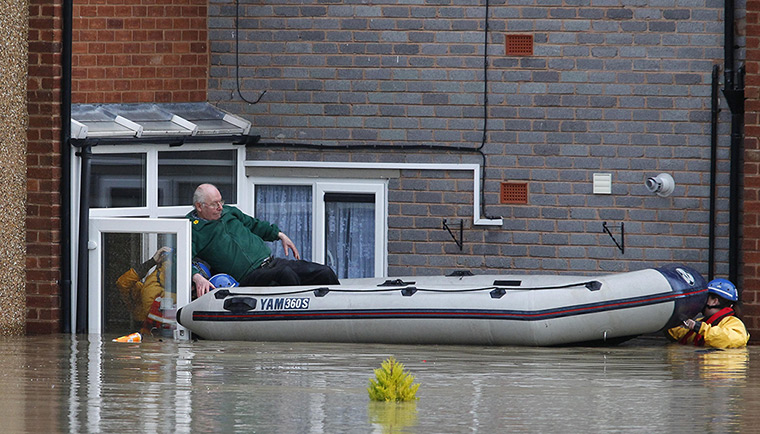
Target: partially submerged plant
(391,383)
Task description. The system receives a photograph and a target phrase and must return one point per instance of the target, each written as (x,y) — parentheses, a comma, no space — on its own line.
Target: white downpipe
(475,168)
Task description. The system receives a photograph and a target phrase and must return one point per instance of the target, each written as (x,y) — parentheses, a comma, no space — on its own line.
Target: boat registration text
(288,303)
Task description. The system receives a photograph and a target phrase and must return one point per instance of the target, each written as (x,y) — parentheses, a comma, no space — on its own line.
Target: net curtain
(350,227)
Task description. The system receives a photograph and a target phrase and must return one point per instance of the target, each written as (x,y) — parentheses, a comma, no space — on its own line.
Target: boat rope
(591,285)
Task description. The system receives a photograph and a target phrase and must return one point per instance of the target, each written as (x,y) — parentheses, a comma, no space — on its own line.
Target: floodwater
(89,384)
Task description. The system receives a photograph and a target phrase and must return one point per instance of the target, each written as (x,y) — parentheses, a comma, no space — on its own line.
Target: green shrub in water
(391,383)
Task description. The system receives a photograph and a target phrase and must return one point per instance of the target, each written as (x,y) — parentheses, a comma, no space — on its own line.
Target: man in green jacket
(232,242)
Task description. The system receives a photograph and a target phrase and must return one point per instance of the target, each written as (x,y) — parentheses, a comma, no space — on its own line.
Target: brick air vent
(519,45)
(514,192)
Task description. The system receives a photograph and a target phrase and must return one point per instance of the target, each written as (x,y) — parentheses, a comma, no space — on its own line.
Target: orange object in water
(134,337)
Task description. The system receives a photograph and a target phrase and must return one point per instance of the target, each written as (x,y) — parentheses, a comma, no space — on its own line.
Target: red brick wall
(123,51)
(129,51)
(43,168)
(751,207)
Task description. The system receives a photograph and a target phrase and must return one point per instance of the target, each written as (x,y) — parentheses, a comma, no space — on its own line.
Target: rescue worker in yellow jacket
(718,326)
(142,292)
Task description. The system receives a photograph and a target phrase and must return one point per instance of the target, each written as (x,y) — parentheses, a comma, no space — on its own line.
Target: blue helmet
(723,288)
(203,268)
(223,281)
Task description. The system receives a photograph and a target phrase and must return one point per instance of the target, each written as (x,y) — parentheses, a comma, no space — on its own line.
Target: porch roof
(146,120)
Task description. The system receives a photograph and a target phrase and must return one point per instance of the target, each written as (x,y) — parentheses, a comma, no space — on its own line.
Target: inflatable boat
(529,310)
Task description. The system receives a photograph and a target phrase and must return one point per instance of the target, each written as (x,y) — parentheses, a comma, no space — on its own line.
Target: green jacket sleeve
(267,231)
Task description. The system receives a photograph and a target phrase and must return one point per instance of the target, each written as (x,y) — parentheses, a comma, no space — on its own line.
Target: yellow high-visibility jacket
(139,295)
(730,332)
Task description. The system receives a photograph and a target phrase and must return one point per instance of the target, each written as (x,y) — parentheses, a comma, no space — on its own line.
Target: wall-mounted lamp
(662,184)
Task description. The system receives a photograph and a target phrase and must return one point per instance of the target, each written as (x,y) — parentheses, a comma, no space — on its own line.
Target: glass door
(139,273)
(350,239)
(350,234)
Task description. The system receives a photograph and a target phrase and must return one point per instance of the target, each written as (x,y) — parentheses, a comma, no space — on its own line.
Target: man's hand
(161,254)
(288,245)
(202,285)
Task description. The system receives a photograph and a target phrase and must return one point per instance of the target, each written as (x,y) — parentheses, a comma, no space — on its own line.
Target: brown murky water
(89,384)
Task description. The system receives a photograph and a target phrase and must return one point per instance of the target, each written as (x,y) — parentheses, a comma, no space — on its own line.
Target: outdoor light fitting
(662,184)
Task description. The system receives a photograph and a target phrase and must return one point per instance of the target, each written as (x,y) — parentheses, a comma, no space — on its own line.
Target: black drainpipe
(83,269)
(65,282)
(714,111)
(734,92)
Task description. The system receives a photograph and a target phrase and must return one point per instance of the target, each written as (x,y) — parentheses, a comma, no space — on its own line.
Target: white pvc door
(119,246)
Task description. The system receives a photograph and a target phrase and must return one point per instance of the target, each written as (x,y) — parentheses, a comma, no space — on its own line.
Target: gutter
(236,139)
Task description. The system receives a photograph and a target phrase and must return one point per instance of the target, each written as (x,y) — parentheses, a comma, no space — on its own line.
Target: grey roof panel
(154,120)
(194,111)
(99,122)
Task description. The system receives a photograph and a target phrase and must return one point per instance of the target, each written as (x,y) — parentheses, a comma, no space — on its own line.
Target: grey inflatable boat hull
(530,310)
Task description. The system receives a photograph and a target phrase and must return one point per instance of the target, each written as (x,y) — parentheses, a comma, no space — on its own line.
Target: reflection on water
(391,416)
(90,384)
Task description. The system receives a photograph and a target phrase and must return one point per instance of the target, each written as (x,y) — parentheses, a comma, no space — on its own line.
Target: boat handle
(240,304)
(409,291)
(396,282)
(222,293)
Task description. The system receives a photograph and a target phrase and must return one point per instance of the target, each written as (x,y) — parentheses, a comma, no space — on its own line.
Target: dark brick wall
(612,87)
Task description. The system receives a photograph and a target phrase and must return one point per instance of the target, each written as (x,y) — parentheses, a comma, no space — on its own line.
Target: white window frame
(378,187)
(150,211)
(100,226)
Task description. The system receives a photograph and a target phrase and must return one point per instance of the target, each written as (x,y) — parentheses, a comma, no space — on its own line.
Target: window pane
(179,173)
(350,234)
(118,180)
(138,295)
(289,207)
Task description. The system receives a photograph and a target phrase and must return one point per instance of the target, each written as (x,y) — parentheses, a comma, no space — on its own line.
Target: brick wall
(129,51)
(43,221)
(610,88)
(751,207)
(124,51)
(418,244)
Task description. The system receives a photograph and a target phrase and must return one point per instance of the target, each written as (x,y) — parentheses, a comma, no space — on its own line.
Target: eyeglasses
(217,204)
